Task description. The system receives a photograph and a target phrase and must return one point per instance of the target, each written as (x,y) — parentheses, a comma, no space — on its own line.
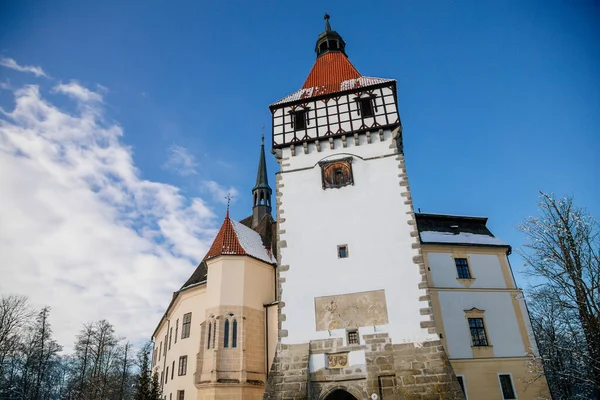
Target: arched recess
(339,393)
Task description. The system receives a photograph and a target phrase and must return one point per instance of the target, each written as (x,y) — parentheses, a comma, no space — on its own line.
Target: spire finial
(327,26)
(262,137)
(228,197)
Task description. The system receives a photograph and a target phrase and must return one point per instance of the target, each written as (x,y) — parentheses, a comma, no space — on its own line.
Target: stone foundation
(392,371)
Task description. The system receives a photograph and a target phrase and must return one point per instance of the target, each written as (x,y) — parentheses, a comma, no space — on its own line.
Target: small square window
(180,395)
(366,107)
(506,384)
(343,251)
(353,337)
(462,268)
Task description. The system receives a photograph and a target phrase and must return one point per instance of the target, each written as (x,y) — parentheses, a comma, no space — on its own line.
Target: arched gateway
(340,394)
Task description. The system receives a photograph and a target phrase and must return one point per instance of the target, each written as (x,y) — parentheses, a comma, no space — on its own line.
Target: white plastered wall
(485,270)
(370,217)
(501,323)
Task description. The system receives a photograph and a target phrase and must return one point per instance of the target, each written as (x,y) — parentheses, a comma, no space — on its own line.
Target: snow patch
(251,242)
(462,237)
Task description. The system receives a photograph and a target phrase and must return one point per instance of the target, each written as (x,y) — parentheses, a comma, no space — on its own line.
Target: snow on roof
(251,242)
(460,238)
(349,84)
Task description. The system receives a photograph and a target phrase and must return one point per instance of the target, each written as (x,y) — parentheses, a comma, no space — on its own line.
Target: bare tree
(15,314)
(563,253)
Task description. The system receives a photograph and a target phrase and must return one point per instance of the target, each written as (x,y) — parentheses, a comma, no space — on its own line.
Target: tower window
(299,119)
(462,268)
(353,337)
(336,174)
(226,334)
(180,395)
(506,384)
(365,106)
(478,335)
(343,251)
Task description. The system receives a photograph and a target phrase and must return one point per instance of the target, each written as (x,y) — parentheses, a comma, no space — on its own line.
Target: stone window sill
(466,282)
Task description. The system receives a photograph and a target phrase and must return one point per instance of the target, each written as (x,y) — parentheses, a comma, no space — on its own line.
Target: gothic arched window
(234,334)
(214,334)
(226,334)
(209,332)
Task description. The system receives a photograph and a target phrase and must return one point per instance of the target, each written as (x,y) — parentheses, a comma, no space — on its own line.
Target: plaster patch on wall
(351,310)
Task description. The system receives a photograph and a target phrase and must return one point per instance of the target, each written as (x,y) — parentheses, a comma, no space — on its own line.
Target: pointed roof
(332,72)
(262,180)
(235,238)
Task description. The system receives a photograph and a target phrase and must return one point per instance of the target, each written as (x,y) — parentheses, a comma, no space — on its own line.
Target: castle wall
(314,221)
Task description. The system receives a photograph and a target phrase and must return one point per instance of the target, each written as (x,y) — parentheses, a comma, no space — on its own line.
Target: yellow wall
(481,378)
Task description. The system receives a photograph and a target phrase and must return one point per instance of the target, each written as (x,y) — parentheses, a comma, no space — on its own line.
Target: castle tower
(355,314)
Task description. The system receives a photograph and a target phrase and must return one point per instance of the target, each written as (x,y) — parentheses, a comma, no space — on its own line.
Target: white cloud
(12,64)
(78,92)
(180,161)
(80,230)
(218,192)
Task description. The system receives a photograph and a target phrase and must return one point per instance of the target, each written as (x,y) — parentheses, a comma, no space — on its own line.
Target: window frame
(182,367)
(226,333)
(463,386)
(234,335)
(176,329)
(350,333)
(512,384)
(186,326)
(464,268)
(479,330)
(181,395)
(342,248)
(295,114)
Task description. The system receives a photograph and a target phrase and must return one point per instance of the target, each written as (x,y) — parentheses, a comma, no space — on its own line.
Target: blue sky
(498,99)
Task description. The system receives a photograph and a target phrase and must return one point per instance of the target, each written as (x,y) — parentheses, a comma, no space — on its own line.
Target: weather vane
(228,197)
(263,135)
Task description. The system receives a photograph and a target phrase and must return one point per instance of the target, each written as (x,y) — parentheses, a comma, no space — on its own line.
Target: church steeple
(261,193)
(329,41)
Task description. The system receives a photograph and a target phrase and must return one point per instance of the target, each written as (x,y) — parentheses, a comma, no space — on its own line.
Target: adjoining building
(350,294)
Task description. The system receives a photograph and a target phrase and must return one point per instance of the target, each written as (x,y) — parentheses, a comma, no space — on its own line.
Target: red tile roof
(235,238)
(329,71)
(226,241)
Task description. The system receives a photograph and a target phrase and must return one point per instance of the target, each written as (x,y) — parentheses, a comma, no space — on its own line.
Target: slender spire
(261,193)
(327,26)
(329,41)
(262,181)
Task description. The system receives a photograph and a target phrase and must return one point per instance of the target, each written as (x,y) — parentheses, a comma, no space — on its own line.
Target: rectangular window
(167,375)
(462,268)
(185,327)
(159,351)
(366,107)
(478,335)
(172,369)
(299,120)
(506,384)
(176,329)
(353,337)
(154,357)
(342,251)
(182,366)
(170,337)
(461,382)
(180,395)
(162,375)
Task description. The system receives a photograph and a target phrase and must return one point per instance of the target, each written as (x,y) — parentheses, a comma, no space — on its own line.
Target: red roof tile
(330,70)
(226,241)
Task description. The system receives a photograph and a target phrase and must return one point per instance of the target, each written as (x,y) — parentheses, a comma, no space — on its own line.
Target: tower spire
(329,41)
(261,193)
